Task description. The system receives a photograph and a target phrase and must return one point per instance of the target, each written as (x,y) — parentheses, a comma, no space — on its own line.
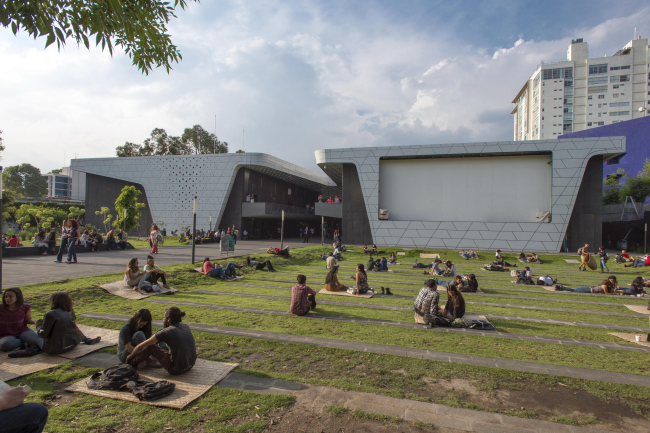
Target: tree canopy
(25,180)
(138,27)
(621,185)
(128,200)
(194,140)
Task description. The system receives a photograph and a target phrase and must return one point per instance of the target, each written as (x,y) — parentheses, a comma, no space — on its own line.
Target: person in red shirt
(13,242)
(302,297)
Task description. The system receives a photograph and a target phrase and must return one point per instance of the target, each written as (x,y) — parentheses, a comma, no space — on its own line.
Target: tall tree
(1,145)
(128,200)
(25,179)
(138,27)
(203,142)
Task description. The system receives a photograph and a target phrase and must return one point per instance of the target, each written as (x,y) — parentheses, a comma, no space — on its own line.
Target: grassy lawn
(170,241)
(227,410)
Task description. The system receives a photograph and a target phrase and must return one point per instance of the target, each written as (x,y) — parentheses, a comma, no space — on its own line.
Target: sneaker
(67,262)
(90,341)
(57,261)
(24,353)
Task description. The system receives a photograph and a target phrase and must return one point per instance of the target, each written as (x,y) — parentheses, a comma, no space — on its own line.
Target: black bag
(113,378)
(435,320)
(481,325)
(525,280)
(149,391)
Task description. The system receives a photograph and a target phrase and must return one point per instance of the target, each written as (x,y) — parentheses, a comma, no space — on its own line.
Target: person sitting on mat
(455,306)
(58,329)
(332,283)
(216,271)
(392,259)
(450,269)
(362,280)
(467,255)
(383,264)
(136,331)
(636,288)
(15,315)
(427,300)
(181,356)
(133,277)
(526,272)
(470,284)
(605,288)
(259,265)
(154,273)
(303,298)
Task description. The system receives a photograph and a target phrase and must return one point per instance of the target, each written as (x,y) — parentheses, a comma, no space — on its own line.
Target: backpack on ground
(435,320)
(525,280)
(113,378)
(149,391)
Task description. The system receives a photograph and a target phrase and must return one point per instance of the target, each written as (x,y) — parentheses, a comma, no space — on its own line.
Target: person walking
(603,259)
(305,238)
(73,235)
(64,241)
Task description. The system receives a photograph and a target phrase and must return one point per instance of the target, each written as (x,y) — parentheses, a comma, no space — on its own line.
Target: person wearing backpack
(181,356)
(603,259)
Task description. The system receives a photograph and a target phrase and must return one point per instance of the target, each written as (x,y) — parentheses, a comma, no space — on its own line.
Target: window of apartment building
(615,86)
(588,123)
(616,68)
(597,89)
(619,113)
(591,114)
(568,83)
(619,104)
(568,72)
(600,105)
(590,97)
(619,78)
(599,114)
(598,69)
(601,123)
(601,96)
(597,80)
(615,95)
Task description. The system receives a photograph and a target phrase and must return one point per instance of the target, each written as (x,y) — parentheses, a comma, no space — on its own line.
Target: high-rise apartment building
(580,93)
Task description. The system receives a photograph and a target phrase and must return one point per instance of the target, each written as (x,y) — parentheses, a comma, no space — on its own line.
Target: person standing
(235,233)
(154,238)
(73,235)
(603,259)
(305,238)
(64,241)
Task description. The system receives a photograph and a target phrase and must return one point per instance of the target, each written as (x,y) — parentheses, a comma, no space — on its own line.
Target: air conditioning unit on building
(383,214)
(543,216)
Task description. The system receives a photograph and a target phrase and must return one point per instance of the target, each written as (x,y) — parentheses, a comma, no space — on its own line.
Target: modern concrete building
(220,182)
(581,92)
(67,185)
(515,196)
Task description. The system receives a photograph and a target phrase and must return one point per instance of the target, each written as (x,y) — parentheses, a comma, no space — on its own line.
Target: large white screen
(487,189)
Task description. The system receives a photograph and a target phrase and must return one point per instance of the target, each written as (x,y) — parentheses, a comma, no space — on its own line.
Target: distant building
(67,185)
(581,92)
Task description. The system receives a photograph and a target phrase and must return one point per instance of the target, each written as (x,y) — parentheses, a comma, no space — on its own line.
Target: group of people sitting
(533,258)
(201,236)
(145,280)
(449,271)
(372,251)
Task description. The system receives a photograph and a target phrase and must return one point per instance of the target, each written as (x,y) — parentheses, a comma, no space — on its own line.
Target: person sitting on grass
(133,277)
(435,268)
(522,257)
(392,259)
(604,288)
(497,255)
(374,249)
(450,269)
(526,272)
(640,262)
(622,257)
(455,306)
(136,331)
(361,279)
(58,329)
(337,253)
(154,273)
(468,255)
(370,265)
(383,264)
(15,315)
(470,285)
(16,416)
(427,300)
(259,265)
(214,270)
(636,288)
(303,298)
(534,258)
(330,261)
(365,249)
(332,283)
(177,336)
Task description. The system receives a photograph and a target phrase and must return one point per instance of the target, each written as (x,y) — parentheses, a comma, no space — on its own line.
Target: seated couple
(427,302)
(467,284)
(607,287)
(622,257)
(533,258)
(372,251)
(216,271)
(377,265)
(468,255)
(172,348)
(449,271)
(56,333)
(259,265)
(145,281)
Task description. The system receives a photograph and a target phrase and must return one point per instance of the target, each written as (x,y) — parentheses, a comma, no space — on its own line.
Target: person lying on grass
(604,288)
(332,283)
(216,271)
(495,266)
(467,255)
(181,356)
(640,262)
(427,300)
(136,331)
(58,329)
(636,288)
(154,273)
(259,265)
(455,306)
(418,265)
(303,298)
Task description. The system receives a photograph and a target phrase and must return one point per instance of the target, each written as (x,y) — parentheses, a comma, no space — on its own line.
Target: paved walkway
(20,271)
(317,398)
(489,316)
(483,361)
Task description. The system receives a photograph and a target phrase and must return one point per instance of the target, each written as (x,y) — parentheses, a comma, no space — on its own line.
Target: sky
(288,78)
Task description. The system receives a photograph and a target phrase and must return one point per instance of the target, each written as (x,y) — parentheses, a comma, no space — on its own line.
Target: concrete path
(20,271)
(317,398)
(483,361)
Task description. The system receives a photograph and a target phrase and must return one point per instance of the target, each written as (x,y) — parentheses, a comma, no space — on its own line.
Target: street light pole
(125,220)
(0,227)
(282,233)
(194,231)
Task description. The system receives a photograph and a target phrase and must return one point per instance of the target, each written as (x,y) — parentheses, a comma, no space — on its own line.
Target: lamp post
(0,227)
(125,220)
(282,233)
(194,231)
(210,222)
(642,110)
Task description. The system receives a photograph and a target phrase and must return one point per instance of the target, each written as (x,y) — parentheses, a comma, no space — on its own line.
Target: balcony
(274,211)
(329,210)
